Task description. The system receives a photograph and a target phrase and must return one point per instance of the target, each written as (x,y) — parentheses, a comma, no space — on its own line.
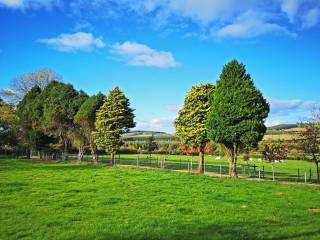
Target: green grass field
(82,201)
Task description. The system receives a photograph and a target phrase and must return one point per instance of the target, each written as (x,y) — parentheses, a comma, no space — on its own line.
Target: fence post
(272,173)
(305,177)
(220,171)
(191,164)
(259,174)
(310,174)
(204,167)
(263,171)
(138,162)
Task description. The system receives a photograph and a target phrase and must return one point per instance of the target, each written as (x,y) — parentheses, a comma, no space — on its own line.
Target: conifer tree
(237,112)
(114,118)
(191,122)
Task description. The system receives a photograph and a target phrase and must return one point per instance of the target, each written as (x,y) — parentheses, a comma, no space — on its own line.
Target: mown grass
(83,201)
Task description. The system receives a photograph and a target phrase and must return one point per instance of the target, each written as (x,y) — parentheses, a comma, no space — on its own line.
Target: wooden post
(191,164)
(259,174)
(310,174)
(305,177)
(262,171)
(138,162)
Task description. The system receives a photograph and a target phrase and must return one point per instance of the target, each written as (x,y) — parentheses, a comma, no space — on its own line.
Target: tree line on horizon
(47,114)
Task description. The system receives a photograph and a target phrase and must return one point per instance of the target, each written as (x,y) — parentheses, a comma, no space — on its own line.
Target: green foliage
(114,118)
(191,122)
(86,115)
(7,127)
(237,109)
(30,136)
(55,110)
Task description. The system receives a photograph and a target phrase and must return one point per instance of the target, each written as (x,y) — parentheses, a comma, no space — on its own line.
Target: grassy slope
(68,201)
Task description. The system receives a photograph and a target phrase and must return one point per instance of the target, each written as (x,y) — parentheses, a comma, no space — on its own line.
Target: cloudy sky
(155,50)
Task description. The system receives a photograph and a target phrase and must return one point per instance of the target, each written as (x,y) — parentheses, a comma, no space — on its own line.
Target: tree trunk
(80,153)
(65,150)
(93,149)
(201,159)
(318,173)
(112,158)
(28,154)
(233,161)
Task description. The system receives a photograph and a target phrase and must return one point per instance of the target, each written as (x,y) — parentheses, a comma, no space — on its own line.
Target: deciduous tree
(21,85)
(309,139)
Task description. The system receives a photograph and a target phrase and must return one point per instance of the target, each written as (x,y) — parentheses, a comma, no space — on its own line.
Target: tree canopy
(59,104)
(86,117)
(237,111)
(191,122)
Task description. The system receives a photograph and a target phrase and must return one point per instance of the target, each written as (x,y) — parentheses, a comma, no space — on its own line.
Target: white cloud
(137,54)
(250,25)
(80,41)
(156,124)
(278,106)
(289,111)
(33,4)
(311,18)
(290,7)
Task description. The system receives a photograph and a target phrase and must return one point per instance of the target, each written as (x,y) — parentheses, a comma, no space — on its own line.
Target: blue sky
(155,50)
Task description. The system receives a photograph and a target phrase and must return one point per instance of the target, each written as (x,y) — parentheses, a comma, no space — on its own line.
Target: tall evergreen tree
(86,117)
(57,106)
(191,122)
(29,135)
(114,118)
(237,112)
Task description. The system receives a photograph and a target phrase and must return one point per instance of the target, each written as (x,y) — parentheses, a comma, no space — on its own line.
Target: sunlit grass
(83,201)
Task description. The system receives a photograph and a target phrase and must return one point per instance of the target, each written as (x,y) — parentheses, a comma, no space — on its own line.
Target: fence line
(220,170)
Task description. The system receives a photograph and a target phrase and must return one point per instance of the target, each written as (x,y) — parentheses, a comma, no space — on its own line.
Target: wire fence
(262,171)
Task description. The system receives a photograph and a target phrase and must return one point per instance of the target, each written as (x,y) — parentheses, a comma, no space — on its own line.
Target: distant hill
(283,127)
(144,135)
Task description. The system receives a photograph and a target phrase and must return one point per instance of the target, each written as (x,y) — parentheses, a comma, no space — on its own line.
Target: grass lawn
(82,201)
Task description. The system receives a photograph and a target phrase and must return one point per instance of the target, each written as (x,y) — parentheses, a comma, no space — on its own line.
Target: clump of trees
(52,116)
